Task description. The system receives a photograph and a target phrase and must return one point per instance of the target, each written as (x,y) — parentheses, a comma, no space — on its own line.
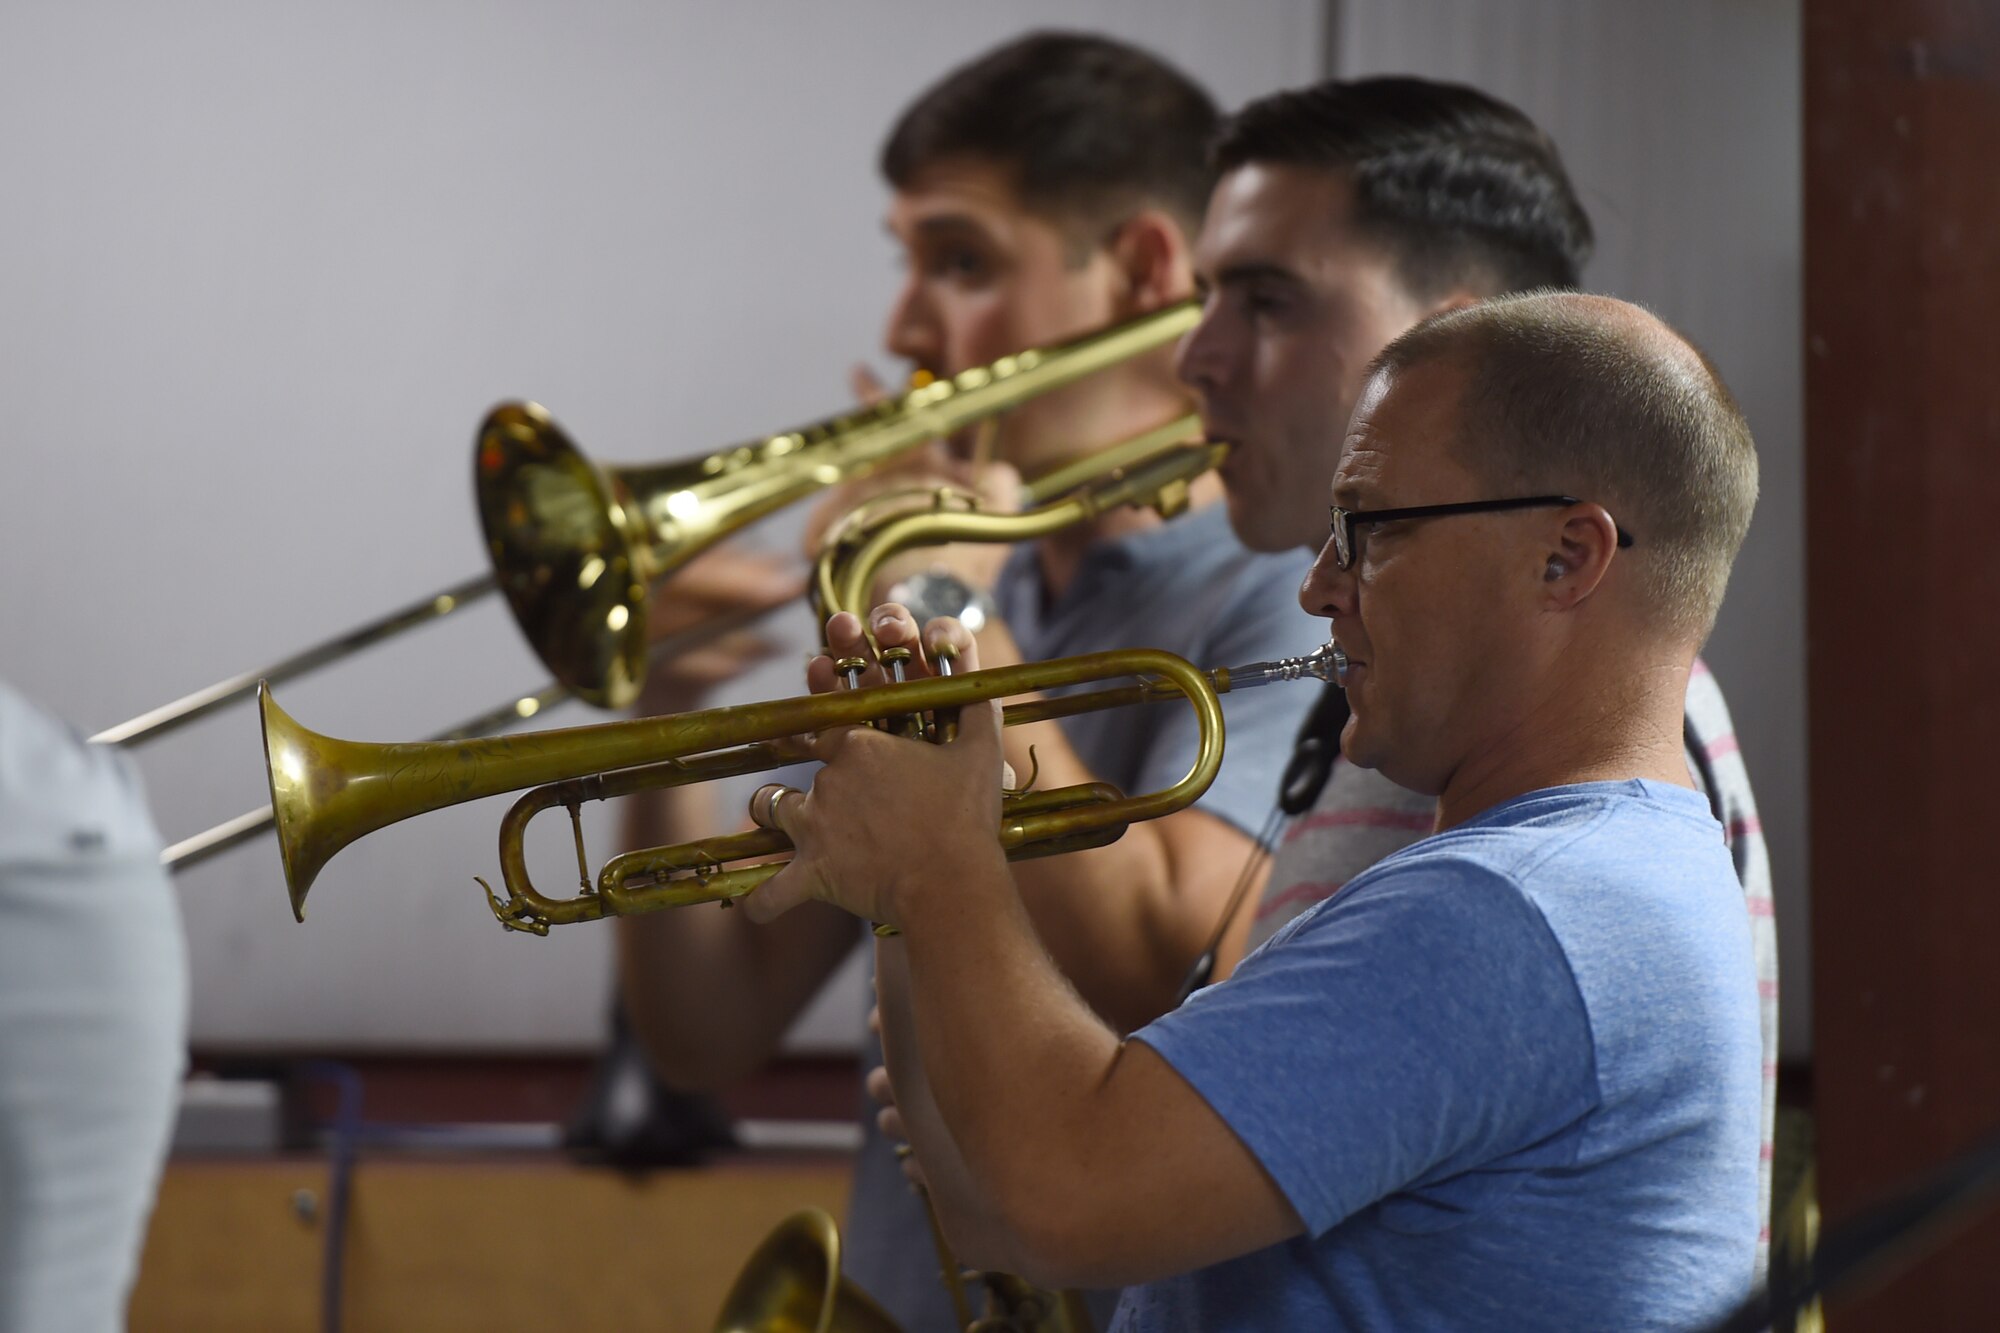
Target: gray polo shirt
(1188,587)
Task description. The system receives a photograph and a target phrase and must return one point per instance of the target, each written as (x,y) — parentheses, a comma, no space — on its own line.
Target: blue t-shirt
(1509,1078)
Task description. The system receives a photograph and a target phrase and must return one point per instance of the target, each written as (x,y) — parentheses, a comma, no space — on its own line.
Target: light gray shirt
(93,1021)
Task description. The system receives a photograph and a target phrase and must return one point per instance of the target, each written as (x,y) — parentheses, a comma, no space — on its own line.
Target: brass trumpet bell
(307,773)
(792,1284)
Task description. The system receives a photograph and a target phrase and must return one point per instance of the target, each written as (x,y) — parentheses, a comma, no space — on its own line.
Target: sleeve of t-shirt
(1260,620)
(1423,1024)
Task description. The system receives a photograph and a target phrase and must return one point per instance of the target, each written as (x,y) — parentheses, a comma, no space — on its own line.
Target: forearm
(1012,1056)
(967,1216)
(1122,922)
(1098,1163)
(1118,923)
(704,998)
(709,993)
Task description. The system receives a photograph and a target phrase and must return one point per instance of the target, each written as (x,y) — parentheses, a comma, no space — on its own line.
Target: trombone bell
(569,552)
(575,546)
(792,1282)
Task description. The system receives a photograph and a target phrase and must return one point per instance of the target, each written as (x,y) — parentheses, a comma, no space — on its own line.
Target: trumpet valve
(897,662)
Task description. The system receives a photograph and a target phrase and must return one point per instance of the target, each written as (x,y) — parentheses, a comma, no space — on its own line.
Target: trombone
(327,792)
(574,546)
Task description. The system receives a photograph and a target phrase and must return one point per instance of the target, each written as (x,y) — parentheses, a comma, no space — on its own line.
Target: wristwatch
(939,592)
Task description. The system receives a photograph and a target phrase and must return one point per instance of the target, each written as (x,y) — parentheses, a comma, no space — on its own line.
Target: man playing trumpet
(1510,1076)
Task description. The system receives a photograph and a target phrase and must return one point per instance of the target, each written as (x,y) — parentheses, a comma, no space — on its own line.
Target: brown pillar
(1902,322)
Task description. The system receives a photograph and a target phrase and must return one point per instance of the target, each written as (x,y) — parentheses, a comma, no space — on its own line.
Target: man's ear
(1456,299)
(1578,558)
(1151,253)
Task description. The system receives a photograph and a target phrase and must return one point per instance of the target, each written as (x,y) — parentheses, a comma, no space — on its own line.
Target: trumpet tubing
(1155,468)
(325,792)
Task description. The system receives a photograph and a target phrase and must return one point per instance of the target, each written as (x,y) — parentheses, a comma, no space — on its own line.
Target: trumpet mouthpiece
(1326,662)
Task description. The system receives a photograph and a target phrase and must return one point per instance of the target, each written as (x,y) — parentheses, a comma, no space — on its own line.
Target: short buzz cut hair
(1591,397)
(1090,129)
(1458,188)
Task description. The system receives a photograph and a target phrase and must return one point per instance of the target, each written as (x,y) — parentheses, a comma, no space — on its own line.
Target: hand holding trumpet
(854,833)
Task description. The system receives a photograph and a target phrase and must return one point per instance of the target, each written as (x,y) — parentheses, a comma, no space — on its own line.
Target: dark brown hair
(1459,188)
(1090,128)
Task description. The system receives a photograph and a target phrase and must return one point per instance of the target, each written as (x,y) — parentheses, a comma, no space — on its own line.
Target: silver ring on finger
(764,804)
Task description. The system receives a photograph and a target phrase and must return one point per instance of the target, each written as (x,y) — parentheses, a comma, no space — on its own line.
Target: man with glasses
(1509,1077)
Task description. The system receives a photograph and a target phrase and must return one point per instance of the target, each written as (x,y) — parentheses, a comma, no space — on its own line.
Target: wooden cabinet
(489,1244)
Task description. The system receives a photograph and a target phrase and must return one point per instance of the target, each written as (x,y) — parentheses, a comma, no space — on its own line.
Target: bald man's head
(1564,393)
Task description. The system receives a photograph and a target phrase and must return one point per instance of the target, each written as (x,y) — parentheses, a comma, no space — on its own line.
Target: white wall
(1680,125)
(262,268)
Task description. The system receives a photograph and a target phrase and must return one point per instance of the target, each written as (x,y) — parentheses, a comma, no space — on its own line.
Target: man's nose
(912,332)
(1328,590)
(1198,359)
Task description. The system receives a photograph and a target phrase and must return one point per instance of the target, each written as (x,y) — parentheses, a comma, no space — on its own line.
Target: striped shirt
(1361,817)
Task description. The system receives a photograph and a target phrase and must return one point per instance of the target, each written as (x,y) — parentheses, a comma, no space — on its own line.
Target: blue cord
(345,1130)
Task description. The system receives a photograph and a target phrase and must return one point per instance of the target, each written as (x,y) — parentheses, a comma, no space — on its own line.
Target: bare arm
(973,1230)
(1044,1102)
(1122,922)
(710,995)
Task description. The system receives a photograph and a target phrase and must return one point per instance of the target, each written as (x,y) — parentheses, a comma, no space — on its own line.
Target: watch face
(936,593)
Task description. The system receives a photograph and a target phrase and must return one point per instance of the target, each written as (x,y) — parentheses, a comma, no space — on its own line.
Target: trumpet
(575,545)
(326,793)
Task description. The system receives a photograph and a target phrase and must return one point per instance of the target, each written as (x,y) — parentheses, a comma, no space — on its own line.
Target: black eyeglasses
(1345,521)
